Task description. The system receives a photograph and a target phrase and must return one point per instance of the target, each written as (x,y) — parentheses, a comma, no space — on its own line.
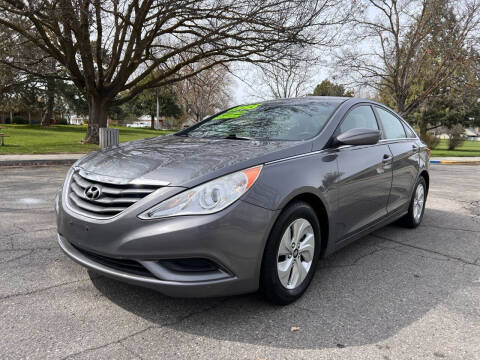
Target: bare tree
(408,49)
(205,93)
(109,48)
(294,74)
(291,77)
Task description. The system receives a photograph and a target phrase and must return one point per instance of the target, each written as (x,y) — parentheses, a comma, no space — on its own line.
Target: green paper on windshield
(236,111)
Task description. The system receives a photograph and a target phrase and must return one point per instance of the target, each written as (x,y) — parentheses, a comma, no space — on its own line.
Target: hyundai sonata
(247,199)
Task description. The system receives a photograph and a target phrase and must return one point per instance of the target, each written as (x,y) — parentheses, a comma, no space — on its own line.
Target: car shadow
(363,294)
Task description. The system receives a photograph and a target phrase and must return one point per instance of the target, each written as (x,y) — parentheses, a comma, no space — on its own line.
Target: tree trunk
(152,125)
(400,106)
(47,116)
(97,118)
(29,118)
(422,124)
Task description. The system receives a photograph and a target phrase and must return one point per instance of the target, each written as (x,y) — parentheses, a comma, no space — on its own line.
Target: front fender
(282,181)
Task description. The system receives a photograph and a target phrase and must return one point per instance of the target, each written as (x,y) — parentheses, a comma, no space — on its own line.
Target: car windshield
(269,121)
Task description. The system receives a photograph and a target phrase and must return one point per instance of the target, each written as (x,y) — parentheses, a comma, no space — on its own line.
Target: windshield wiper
(235,137)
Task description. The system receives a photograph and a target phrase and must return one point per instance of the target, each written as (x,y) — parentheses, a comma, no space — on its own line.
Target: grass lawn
(35,139)
(469,148)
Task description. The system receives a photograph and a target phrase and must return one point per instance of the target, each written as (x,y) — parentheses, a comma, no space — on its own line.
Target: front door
(365,177)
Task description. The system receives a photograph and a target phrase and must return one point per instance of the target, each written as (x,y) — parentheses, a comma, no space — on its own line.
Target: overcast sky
(246,86)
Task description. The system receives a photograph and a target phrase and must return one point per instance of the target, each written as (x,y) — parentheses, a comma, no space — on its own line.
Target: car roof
(310,99)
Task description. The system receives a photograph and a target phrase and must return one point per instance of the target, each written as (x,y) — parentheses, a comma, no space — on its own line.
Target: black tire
(270,284)
(409,219)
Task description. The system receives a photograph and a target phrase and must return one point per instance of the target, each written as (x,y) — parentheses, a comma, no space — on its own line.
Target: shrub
(60,121)
(455,134)
(19,120)
(431,140)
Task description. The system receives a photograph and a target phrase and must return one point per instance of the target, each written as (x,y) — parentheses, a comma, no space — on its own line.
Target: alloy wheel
(418,202)
(295,253)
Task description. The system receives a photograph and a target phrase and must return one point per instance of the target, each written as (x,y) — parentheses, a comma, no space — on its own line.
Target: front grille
(113,198)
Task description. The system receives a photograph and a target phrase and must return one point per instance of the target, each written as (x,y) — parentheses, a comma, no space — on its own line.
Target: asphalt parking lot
(396,294)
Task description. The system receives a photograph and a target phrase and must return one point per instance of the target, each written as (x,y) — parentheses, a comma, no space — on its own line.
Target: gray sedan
(247,199)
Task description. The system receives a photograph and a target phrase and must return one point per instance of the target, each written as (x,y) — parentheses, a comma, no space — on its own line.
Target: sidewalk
(39,159)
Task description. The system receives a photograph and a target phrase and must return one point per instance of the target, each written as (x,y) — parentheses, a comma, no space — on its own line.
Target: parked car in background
(247,199)
(139,124)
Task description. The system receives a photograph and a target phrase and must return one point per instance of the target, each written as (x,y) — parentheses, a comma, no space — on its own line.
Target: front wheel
(291,254)
(417,205)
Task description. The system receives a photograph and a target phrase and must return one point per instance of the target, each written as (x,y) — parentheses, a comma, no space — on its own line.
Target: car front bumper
(233,240)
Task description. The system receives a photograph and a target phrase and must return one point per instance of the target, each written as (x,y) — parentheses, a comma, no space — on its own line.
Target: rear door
(404,148)
(365,176)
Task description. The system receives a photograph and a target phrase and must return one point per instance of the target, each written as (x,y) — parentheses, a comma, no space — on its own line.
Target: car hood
(182,161)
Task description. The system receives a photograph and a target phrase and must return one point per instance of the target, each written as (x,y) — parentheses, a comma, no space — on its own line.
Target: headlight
(207,198)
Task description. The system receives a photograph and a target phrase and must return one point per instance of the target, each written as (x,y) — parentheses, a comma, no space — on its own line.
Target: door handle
(387,162)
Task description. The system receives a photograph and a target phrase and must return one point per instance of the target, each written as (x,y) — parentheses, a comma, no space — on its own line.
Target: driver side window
(360,117)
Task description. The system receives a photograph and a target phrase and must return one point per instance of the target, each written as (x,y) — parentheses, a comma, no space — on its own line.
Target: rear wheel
(291,254)
(417,205)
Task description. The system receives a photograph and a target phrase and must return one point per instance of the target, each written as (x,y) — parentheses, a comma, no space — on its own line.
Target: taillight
(428,151)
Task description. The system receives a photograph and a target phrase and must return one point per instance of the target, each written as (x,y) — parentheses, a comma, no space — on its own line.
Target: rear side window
(392,127)
(410,132)
(360,117)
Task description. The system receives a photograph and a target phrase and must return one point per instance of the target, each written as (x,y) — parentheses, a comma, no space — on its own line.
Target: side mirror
(358,136)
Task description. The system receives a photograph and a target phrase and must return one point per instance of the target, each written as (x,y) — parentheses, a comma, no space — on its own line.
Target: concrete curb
(39,159)
(455,162)
(39,162)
